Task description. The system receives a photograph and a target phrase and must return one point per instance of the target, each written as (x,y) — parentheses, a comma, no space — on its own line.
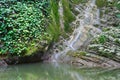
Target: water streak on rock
(84,30)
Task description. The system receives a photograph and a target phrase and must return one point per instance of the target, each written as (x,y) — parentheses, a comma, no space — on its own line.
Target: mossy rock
(76,53)
(107,44)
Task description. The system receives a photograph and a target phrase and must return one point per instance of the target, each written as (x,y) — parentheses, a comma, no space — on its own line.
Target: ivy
(21,22)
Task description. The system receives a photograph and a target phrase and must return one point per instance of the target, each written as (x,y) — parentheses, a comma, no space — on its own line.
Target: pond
(47,71)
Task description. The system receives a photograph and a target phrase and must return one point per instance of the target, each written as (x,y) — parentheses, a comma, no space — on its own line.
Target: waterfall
(84,30)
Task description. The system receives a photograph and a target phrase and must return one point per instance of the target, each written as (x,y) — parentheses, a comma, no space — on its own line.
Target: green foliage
(101,3)
(118,4)
(21,23)
(54,25)
(102,39)
(68,15)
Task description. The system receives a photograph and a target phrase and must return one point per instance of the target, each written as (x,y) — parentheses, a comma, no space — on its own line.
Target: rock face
(92,60)
(108,16)
(85,59)
(37,57)
(107,44)
(3,63)
(90,23)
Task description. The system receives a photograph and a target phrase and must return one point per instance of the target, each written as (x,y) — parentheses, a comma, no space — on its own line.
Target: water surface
(46,71)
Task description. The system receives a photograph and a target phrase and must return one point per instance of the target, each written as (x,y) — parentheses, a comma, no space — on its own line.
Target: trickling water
(84,30)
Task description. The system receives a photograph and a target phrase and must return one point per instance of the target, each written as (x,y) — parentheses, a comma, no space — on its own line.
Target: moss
(31,50)
(101,13)
(83,53)
(105,54)
(101,3)
(102,39)
(105,29)
(77,53)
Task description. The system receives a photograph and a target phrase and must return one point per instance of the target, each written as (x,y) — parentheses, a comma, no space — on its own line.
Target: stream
(46,71)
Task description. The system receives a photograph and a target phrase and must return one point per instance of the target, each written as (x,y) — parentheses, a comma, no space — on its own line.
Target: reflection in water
(45,71)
